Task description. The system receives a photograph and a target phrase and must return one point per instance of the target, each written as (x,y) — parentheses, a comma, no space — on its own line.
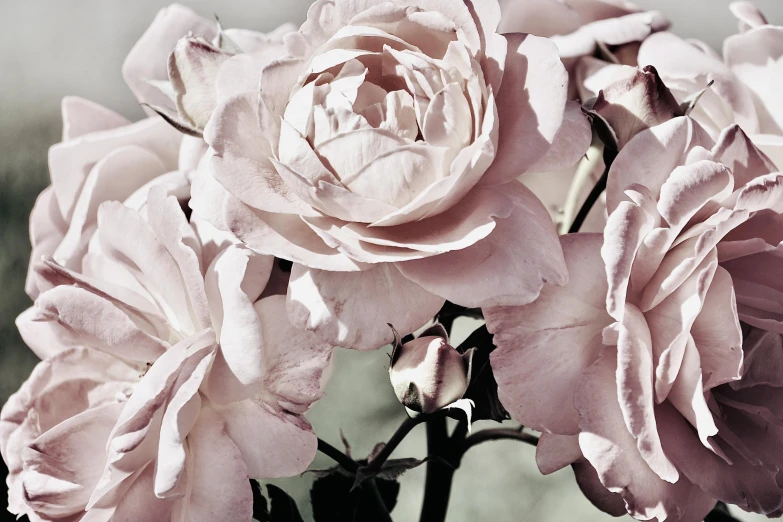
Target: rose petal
(491,272)
(536,384)
(532,115)
(350,309)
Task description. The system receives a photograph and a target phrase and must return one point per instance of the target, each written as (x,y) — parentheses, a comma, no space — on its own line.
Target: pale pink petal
(133,440)
(220,489)
(540,17)
(554,452)
(171,227)
(193,68)
(146,256)
(625,232)
(69,316)
(295,361)
(234,281)
(687,395)
(492,272)
(284,236)
(457,228)
(590,484)
(748,15)
(182,409)
(750,487)
(756,57)
(148,58)
(273,443)
(717,333)
(82,116)
(136,500)
(64,465)
(532,96)
(543,347)
(47,229)
(612,450)
(651,156)
(635,390)
(570,144)
(241,158)
(108,180)
(70,161)
(671,320)
(736,150)
(350,309)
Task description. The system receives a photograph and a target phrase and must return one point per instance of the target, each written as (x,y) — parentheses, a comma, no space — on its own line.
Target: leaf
(283,506)
(260,507)
(690,103)
(482,387)
(334,500)
(720,513)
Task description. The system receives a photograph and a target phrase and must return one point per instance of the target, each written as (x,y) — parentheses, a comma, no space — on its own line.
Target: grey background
(53,48)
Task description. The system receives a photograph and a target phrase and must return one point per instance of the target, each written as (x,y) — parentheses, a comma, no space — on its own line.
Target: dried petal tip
(428,374)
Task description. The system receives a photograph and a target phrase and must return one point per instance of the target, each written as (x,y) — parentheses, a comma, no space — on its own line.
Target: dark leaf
(334,499)
(720,513)
(283,506)
(260,507)
(482,388)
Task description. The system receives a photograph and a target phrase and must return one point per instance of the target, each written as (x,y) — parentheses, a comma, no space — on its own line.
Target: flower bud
(427,374)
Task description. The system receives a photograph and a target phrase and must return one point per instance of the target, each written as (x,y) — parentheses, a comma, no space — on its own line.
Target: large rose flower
(376,158)
(745,89)
(102,157)
(692,224)
(168,352)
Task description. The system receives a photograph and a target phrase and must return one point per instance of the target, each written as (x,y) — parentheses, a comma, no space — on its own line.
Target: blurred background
(53,48)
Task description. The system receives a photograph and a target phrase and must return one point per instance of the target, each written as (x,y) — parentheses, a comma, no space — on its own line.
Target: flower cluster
(384,163)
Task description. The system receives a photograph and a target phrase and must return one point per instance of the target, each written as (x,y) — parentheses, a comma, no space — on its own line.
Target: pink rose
(624,365)
(102,157)
(213,378)
(745,89)
(381,156)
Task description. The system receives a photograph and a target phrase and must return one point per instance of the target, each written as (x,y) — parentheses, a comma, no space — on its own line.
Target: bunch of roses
(377,149)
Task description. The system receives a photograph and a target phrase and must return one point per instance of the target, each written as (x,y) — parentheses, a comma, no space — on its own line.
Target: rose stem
(599,187)
(407,425)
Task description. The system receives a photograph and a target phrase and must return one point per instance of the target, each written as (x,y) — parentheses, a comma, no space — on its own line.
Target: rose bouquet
(603,195)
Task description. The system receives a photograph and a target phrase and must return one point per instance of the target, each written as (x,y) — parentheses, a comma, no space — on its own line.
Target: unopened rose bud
(427,374)
(636,103)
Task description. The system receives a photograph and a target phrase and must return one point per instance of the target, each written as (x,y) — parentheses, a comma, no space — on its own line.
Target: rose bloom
(746,77)
(592,36)
(380,156)
(170,376)
(625,368)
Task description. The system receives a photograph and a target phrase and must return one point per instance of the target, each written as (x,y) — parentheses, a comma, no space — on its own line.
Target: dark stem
(587,206)
(498,434)
(440,473)
(338,456)
(408,424)
(372,488)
